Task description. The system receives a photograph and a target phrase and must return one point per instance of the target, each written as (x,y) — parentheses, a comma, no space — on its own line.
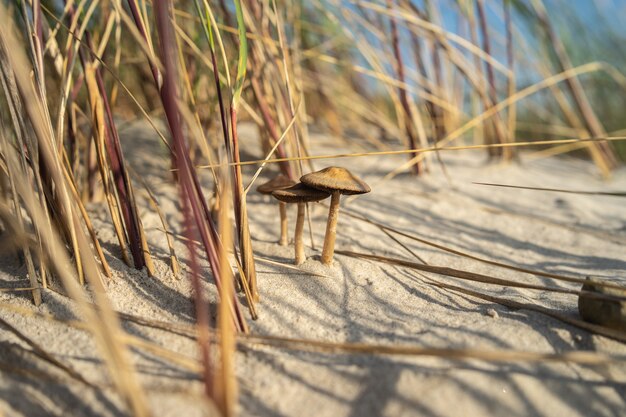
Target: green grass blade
(243,54)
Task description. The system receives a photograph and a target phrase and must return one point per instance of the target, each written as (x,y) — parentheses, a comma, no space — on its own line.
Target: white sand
(362,301)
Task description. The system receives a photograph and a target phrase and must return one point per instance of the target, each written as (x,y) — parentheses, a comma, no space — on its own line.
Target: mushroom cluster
(313,187)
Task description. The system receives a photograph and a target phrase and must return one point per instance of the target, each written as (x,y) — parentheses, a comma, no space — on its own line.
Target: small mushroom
(336,181)
(299,194)
(277,183)
(605,306)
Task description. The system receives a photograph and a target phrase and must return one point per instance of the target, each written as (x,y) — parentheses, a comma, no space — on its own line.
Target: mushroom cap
(333,179)
(300,193)
(277,183)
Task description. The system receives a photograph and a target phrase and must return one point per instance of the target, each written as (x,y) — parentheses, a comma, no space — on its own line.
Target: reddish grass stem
(116,164)
(191,209)
(404,99)
(482,21)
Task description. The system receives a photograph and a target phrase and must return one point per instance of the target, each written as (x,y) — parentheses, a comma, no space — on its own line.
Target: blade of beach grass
(213,36)
(225,382)
(78,29)
(102,323)
(105,38)
(143,345)
(484,28)
(555,190)
(568,109)
(118,80)
(411,130)
(18,120)
(118,55)
(213,29)
(59,208)
(239,198)
(207,22)
(194,123)
(438,59)
(470,14)
(43,354)
(386,228)
(246,342)
(386,79)
(290,77)
(37,43)
(208,31)
(243,282)
(405,247)
(579,357)
(436,30)
(194,219)
(374,59)
(94,238)
(189,184)
(262,260)
(271,152)
(483,93)
(493,110)
(98,124)
(174,263)
(123,185)
(307,345)
(460,274)
(532,89)
(291,52)
(30,266)
(435,112)
(270,124)
(575,87)
(437,115)
(144,31)
(8,290)
(554,151)
(232,144)
(425,150)
(593,328)
(511,79)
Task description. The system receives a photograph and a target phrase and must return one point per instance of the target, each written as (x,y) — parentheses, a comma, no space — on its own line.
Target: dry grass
(69,74)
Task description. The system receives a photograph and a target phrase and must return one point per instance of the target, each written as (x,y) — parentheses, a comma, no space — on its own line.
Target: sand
(358,300)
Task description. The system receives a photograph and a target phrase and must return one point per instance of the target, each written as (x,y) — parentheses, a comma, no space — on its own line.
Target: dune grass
(71,72)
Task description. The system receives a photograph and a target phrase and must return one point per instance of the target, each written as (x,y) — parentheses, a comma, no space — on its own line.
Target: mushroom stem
(331,229)
(298,241)
(283,223)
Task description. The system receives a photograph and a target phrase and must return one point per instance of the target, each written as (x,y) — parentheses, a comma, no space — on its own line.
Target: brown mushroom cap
(277,183)
(333,179)
(299,193)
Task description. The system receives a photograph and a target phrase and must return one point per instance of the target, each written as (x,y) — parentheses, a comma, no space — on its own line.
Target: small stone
(492,313)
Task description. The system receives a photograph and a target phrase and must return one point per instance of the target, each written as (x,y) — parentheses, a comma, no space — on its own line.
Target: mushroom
(300,194)
(277,183)
(336,181)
